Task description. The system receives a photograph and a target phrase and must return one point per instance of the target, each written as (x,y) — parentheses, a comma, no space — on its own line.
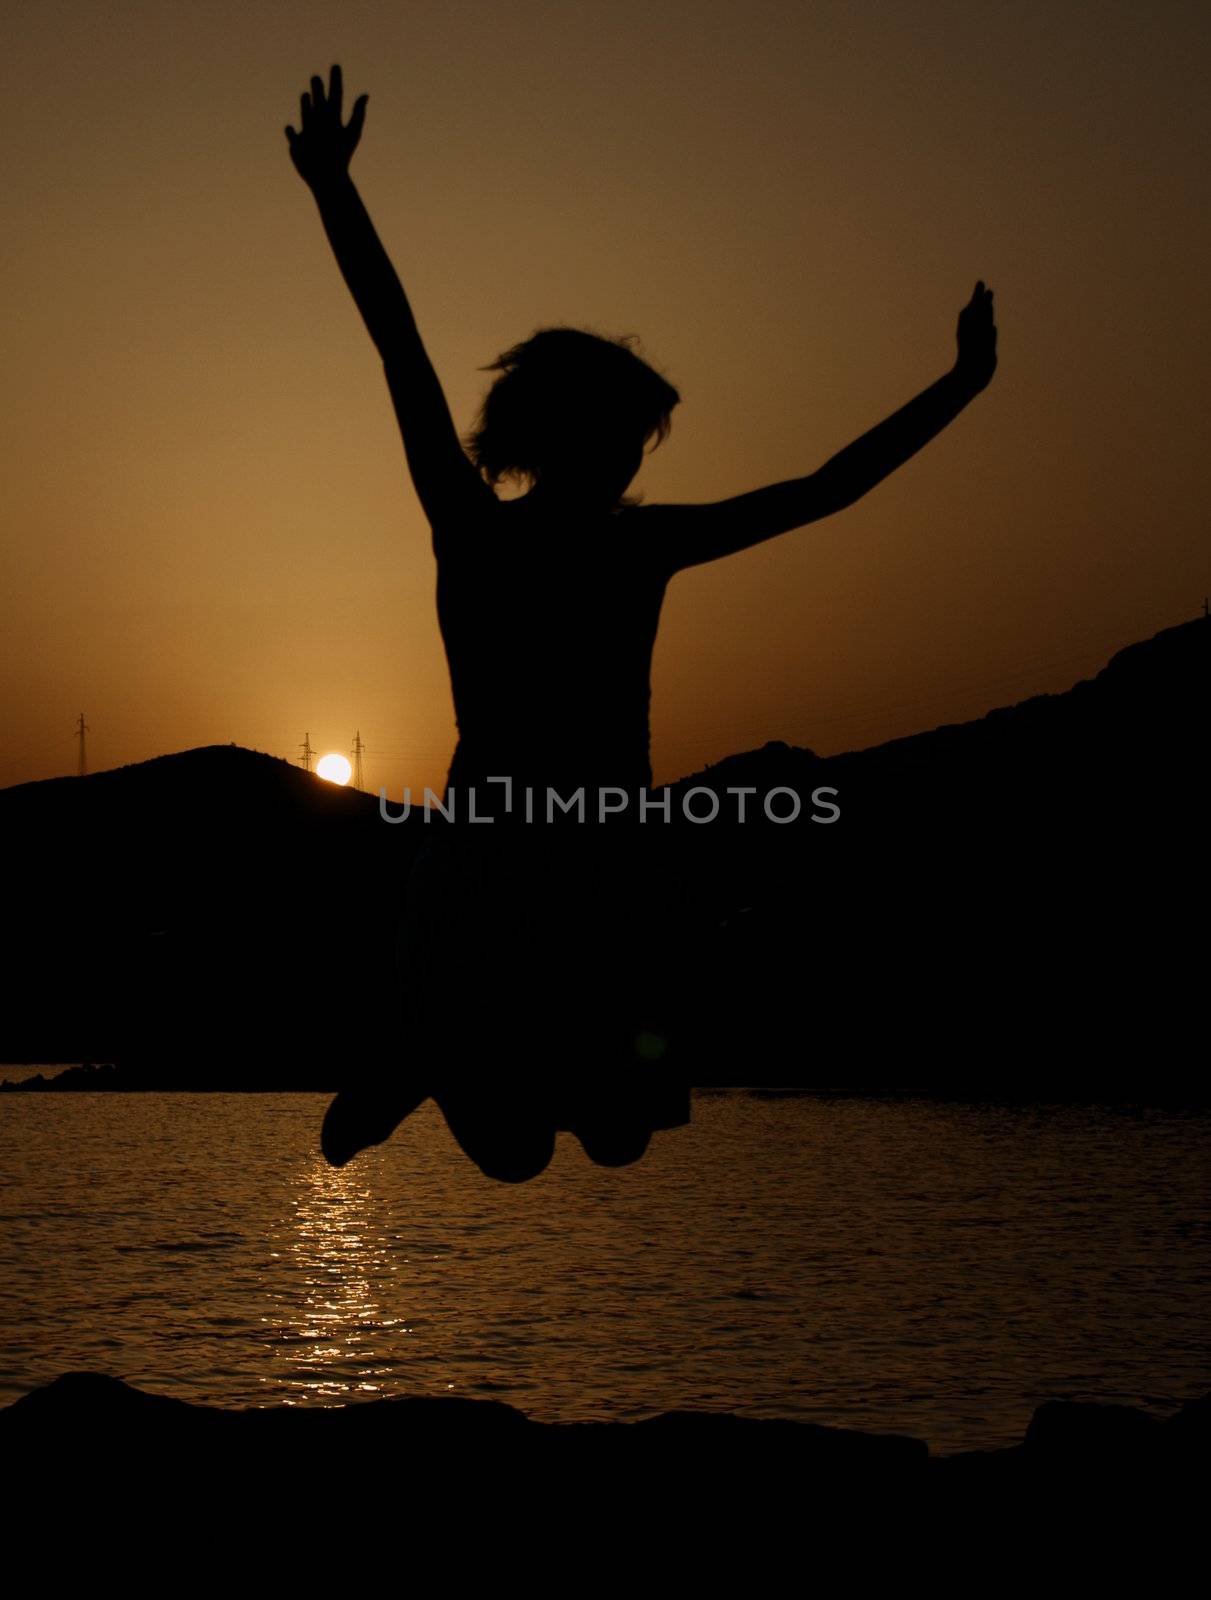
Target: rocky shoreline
(99,1480)
(85,1415)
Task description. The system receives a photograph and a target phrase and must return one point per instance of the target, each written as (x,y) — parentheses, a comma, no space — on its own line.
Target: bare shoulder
(663,517)
(657,532)
(690,535)
(652,517)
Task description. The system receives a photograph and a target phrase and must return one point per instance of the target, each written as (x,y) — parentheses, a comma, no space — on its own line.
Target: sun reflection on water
(337,1255)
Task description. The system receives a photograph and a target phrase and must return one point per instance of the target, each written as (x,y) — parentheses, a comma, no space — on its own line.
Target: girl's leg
(520,1008)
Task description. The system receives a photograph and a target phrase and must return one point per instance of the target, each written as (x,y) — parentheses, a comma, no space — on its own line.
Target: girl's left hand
(977,337)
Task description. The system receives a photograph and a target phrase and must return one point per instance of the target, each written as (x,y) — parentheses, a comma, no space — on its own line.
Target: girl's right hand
(323,148)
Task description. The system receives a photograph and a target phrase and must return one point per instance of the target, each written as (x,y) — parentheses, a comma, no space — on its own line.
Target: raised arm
(687,535)
(446,482)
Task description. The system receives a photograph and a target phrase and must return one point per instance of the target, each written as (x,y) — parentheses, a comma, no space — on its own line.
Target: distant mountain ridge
(1152,691)
(1149,703)
(1008,897)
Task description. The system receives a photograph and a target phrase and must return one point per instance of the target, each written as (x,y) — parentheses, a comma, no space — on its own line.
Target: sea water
(898,1265)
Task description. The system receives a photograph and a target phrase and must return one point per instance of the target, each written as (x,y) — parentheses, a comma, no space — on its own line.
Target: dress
(544,943)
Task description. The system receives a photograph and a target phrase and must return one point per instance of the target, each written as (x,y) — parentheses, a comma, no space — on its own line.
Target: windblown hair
(563,389)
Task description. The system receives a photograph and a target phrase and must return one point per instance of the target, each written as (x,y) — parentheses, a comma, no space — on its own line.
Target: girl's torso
(549,627)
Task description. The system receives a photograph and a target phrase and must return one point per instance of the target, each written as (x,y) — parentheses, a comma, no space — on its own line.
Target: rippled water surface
(924,1268)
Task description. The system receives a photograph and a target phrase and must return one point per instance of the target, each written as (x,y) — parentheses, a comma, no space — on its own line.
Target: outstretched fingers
(323,145)
(327,103)
(357,119)
(978,310)
(977,337)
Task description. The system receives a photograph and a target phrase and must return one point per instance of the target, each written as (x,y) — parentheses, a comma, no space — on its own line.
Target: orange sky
(209,532)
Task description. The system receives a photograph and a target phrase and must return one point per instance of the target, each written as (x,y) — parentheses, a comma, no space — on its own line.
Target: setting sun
(335,768)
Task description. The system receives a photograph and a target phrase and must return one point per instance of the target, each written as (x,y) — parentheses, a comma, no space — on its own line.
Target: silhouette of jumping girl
(549,602)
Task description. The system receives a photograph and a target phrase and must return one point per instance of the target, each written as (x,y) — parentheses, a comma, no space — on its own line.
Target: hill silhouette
(1001,904)
(218,786)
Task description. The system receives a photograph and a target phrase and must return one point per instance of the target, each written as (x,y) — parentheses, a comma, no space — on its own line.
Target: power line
(81,729)
(358,748)
(308,755)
